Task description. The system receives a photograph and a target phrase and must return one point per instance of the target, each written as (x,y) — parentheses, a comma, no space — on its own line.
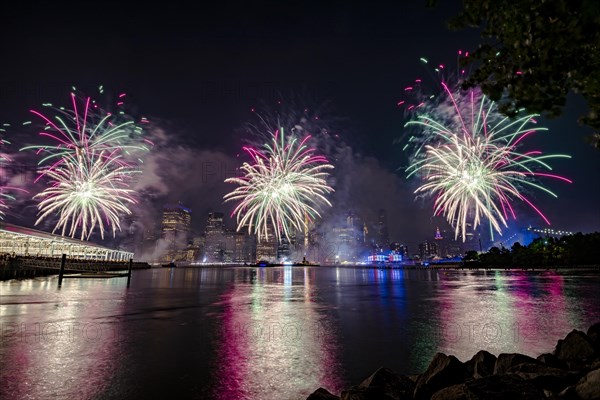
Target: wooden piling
(63,261)
(129,271)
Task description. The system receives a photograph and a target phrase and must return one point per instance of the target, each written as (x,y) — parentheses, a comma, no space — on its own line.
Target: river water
(270,333)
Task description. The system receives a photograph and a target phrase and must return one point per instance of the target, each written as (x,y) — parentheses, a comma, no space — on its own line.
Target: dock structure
(26,252)
(26,242)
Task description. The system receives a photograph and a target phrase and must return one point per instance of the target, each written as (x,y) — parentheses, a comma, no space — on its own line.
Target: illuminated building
(427,250)
(383,239)
(245,247)
(20,241)
(214,238)
(175,231)
(266,248)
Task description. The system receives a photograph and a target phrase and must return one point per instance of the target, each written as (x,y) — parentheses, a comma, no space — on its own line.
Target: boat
(305,264)
(264,263)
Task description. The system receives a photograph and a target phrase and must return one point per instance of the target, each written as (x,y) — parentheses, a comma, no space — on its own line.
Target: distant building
(266,248)
(175,231)
(427,250)
(382,238)
(245,247)
(214,238)
(400,249)
(284,250)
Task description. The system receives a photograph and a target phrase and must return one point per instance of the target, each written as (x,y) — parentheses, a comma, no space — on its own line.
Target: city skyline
(199,131)
(353,239)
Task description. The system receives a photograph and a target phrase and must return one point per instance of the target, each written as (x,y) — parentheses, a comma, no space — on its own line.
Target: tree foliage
(572,250)
(535,53)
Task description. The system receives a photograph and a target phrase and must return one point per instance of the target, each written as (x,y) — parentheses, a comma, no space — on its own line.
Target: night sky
(197,71)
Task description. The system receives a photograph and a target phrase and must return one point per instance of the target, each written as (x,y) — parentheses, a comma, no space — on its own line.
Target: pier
(19,267)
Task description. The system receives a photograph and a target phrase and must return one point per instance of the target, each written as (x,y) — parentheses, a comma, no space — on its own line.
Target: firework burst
(282,188)
(87,191)
(89,162)
(469,159)
(87,129)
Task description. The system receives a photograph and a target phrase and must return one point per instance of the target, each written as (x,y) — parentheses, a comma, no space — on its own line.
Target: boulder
(364,393)
(493,387)
(543,376)
(551,360)
(507,360)
(481,365)
(387,381)
(443,371)
(568,393)
(588,387)
(382,384)
(322,394)
(498,387)
(576,346)
(455,392)
(593,334)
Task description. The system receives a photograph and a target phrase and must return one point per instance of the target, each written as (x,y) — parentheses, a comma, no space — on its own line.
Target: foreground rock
(383,384)
(588,388)
(572,371)
(322,394)
(443,371)
(495,387)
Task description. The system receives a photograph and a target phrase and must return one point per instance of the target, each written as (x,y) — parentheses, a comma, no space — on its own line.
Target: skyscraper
(214,234)
(383,240)
(266,248)
(175,231)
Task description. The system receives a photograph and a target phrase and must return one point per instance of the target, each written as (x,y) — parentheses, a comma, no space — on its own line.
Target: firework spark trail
(86,129)
(298,115)
(468,158)
(87,192)
(5,190)
(282,188)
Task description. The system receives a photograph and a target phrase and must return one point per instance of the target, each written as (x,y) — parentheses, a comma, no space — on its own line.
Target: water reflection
(59,343)
(270,333)
(505,312)
(274,340)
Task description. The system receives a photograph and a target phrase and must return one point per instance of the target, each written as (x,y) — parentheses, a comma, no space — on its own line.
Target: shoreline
(12,273)
(571,372)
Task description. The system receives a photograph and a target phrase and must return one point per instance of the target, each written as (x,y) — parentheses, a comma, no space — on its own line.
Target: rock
(568,393)
(443,371)
(550,394)
(507,360)
(387,381)
(322,394)
(364,393)
(576,346)
(593,334)
(588,387)
(493,387)
(551,360)
(498,387)
(455,392)
(382,384)
(578,365)
(481,365)
(543,376)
